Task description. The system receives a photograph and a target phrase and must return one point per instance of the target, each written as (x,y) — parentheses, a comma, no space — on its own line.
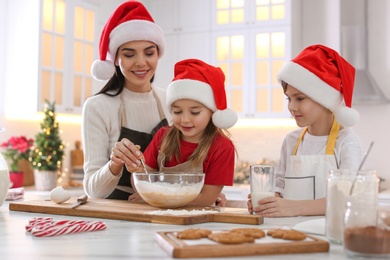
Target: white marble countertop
(120,240)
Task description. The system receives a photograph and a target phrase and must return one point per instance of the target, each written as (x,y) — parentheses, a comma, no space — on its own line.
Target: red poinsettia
(16,149)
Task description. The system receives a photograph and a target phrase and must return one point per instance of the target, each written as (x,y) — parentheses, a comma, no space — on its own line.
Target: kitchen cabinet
(181,16)
(186,25)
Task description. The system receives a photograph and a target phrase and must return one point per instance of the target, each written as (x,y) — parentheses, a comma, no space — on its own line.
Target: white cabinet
(21,57)
(175,16)
(186,24)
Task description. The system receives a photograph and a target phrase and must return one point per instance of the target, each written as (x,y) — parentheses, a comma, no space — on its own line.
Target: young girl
(196,142)
(318,84)
(128,109)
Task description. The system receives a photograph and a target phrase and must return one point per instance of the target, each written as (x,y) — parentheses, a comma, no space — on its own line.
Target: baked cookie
(293,235)
(231,238)
(286,234)
(252,232)
(193,233)
(275,233)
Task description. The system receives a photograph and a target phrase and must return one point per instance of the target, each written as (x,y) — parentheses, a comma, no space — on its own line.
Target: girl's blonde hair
(170,145)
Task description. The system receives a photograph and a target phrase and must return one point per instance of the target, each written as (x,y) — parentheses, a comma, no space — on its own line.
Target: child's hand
(135,197)
(275,207)
(221,200)
(249,204)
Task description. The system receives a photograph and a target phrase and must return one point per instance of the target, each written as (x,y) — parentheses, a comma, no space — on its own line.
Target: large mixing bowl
(168,190)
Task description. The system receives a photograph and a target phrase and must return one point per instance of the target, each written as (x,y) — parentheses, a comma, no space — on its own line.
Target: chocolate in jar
(369,240)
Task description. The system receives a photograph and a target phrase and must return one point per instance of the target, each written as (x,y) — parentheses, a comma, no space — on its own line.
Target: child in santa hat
(319,85)
(128,109)
(197,140)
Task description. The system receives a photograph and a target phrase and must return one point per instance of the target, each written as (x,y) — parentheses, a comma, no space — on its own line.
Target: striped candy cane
(55,223)
(37,222)
(57,230)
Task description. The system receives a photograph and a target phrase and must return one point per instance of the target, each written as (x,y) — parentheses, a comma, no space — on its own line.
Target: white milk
(256,196)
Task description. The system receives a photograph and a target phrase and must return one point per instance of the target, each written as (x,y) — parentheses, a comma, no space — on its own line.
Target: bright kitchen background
(256,139)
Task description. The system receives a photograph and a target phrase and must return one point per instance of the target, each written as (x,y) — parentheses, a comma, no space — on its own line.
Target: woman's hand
(125,153)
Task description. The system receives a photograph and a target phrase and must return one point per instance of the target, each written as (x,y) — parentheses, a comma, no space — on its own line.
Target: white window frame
(249,28)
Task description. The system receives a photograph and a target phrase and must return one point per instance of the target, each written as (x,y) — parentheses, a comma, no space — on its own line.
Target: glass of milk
(262,182)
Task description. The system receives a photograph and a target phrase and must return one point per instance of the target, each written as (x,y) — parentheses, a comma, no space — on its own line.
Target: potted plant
(48,153)
(16,149)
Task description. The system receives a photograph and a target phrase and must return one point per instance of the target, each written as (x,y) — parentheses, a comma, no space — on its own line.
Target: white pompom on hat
(199,81)
(129,22)
(322,74)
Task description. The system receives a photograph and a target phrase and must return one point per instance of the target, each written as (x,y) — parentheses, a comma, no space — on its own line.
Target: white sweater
(101,129)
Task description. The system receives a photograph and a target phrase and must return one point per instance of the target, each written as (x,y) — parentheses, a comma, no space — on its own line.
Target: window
(66,27)
(251,40)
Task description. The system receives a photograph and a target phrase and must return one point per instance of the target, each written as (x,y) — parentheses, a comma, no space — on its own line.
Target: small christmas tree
(48,153)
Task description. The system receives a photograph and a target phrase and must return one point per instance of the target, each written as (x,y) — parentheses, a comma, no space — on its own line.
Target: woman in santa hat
(128,109)
(319,85)
(197,140)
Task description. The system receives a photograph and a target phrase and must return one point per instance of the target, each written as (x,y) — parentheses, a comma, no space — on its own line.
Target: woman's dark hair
(116,82)
(284,86)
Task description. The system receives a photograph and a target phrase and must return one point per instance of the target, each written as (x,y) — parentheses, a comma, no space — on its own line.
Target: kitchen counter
(120,240)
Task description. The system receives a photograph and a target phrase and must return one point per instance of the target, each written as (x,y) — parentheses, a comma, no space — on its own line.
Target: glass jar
(4,179)
(362,234)
(338,188)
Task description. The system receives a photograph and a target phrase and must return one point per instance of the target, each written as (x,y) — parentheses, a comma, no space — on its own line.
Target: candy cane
(58,230)
(47,223)
(37,221)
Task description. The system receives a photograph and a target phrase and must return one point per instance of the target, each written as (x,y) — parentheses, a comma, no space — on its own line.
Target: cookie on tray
(231,238)
(193,233)
(252,232)
(286,234)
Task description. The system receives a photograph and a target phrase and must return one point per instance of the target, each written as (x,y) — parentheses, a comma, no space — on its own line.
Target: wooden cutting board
(124,210)
(204,247)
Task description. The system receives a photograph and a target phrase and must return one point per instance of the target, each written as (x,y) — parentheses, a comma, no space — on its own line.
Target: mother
(128,110)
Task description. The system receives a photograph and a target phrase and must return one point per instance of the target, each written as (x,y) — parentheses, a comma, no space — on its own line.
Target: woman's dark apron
(124,188)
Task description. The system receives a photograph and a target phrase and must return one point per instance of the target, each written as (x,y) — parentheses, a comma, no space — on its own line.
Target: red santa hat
(199,81)
(129,22)
(322,74)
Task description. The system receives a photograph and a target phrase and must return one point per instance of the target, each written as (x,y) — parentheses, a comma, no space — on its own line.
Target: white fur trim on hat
(346,116)
(102,69)
(201,92)
(190,89)
(133,30)
(225,118)
(311,85)
(136,30)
